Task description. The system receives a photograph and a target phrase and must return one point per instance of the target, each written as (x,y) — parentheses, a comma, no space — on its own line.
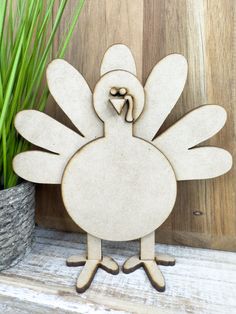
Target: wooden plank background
(204,31)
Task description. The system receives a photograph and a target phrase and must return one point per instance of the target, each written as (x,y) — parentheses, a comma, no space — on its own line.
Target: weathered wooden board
(202,281)
(205,211)
(204,32)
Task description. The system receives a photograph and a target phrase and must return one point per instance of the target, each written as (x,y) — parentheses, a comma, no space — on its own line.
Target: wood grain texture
(203,31)
(202,281)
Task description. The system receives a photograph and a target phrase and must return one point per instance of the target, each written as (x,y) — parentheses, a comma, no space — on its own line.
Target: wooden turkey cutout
(118,179)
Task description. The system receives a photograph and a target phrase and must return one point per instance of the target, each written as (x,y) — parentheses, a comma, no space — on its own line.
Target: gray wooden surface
(202,281)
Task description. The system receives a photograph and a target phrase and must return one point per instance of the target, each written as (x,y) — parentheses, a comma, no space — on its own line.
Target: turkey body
(119,188)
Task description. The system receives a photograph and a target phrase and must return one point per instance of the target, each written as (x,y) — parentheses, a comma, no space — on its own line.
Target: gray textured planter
(17,213)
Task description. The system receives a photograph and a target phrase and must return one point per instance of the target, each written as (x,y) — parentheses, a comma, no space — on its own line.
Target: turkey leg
(91,262)
(148,260)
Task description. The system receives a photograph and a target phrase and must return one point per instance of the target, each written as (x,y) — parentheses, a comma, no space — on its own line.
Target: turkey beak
(118,104)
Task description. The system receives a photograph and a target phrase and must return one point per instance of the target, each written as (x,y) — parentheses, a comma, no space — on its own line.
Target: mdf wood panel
(101,24)
(205,211)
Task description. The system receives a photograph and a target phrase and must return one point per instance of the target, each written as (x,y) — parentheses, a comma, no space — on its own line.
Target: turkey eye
(113,91)
(122,91)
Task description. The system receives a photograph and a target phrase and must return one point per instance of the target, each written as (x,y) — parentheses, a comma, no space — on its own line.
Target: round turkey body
(119,189)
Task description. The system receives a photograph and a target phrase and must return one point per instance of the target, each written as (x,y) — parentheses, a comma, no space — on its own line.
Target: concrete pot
(17,222)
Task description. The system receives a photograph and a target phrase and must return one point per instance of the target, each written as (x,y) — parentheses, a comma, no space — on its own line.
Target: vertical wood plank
(221,87)
(173,26)
(204,214)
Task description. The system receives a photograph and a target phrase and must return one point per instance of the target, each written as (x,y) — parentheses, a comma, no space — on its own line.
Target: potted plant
(27,32)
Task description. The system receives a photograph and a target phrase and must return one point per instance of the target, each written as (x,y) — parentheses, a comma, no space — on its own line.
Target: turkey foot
(148,260)
(165,260)
(91,262)
(87,274)
(152,270)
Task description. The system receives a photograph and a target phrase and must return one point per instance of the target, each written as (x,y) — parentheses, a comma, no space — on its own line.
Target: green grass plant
(27,33)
